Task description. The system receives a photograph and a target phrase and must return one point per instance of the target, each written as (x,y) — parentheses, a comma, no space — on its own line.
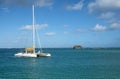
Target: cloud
(5,9)
(115,25)
(37,26)
(108,10)
(50,33)
(43,3)
(80,31)
(107,15)
(66,25)
(105,9)
(40,3)
(77,6)
(99,28)
(16,2)
(65,32)
(104,5)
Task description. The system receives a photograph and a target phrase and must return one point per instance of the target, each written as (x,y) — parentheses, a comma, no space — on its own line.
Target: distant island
(77,47)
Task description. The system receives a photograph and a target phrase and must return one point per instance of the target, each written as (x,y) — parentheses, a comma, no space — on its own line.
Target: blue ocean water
(65,63)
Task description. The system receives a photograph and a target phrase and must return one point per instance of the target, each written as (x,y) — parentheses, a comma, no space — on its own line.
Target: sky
(60,23)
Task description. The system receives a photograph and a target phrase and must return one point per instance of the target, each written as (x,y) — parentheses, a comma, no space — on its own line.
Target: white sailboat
(30,52)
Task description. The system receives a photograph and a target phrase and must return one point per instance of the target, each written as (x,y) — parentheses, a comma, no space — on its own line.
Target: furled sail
(29,48)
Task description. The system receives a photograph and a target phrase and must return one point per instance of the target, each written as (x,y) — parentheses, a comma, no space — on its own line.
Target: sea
(65,63)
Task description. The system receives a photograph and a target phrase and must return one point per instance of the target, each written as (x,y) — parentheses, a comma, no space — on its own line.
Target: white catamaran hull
(43,54)
(33,55)
(26,55)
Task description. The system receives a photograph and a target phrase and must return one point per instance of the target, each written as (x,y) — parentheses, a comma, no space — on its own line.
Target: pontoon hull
(43,54)
(26,55)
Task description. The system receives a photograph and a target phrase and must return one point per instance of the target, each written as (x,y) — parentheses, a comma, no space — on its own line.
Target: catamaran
(30,51)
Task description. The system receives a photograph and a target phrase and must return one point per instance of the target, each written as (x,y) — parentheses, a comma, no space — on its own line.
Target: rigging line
(40,47)
(38,39)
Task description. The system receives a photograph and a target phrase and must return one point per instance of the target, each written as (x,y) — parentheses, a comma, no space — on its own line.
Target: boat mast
(33,29)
